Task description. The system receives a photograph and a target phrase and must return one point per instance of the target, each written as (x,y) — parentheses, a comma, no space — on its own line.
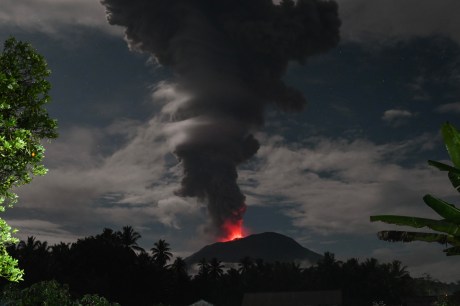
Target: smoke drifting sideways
(228,57)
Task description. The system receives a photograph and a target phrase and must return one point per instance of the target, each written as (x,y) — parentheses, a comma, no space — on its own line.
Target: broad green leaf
(455,180)
(444,209)
(452,140)
(24,122)
(443,167)
(404,236)
(437,225)
(452,251)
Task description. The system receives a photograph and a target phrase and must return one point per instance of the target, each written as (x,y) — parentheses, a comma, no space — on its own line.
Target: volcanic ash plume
(228,57)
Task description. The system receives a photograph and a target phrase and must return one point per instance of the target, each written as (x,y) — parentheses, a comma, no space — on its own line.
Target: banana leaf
(452,251)
(446,210)
(443,167)
(452,140)
(451,215)
(437,225)
(404,236)
(455,180)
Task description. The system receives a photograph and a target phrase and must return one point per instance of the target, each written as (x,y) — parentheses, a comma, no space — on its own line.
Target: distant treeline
(112,265)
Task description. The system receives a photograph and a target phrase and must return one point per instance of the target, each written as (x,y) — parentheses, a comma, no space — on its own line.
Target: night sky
(375,104)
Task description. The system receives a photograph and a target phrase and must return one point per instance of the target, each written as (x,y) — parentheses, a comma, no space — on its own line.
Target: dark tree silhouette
(129,238)
(215,269)
(245,265)
(179,266)
(161,253)
(60,256)
(203,269)
(29,246)
(106,266)
(109,237)
(34,256)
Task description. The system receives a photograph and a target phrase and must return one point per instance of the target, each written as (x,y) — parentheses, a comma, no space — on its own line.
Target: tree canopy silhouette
(104,265)
(161,253)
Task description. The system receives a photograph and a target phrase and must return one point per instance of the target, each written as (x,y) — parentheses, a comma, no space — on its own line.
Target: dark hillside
(268,246)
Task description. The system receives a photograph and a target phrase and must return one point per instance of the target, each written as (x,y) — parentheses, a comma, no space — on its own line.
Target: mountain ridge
(268,246)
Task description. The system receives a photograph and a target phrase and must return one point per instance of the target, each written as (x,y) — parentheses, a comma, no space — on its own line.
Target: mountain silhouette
(268,246)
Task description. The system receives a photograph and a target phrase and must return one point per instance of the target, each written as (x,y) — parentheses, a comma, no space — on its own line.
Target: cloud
(421,258)
(395,19)
(332,186)
(87,187)
(50,16)
(419,88)
(396,117)
(449,108)
(362,19)
(50,232)
(326,186)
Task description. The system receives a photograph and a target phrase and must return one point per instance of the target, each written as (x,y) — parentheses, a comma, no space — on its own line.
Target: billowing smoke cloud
(229,57)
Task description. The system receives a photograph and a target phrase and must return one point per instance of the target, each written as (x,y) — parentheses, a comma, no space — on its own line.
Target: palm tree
(397,270)
(109,236)
(245,265)
(61,248)
(60,255)
(215,269)
(203,268)
(43,248)
(34,256)
(30,245)
(129,238)
(179,266)
(161,253)
(370,265)
(144,259)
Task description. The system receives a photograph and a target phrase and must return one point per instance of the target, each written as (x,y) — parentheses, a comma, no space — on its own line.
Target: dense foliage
(48,293)
(112,265)
(24,122)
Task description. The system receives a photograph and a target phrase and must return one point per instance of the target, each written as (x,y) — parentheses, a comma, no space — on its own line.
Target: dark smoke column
(228,57)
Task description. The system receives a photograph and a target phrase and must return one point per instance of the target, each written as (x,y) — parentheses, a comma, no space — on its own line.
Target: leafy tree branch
(24,122)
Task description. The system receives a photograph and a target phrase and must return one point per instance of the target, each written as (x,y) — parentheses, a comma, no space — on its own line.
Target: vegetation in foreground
(113,266)
(448,227)
(24,122)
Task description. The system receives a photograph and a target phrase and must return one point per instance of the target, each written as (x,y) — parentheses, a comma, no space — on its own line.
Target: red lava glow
(233,230)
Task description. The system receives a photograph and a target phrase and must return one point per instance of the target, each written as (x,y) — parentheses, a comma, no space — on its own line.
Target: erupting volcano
(228,59)
(270,247)
(232,231)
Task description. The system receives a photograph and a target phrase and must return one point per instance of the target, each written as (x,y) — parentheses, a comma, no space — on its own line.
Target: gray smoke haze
(229,57)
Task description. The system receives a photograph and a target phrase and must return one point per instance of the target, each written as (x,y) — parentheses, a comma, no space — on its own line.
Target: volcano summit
(268,246)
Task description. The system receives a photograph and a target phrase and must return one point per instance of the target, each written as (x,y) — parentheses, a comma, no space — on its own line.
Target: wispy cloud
(449,108)
(51,16)
(326,186)
(85,187)
(53,233)
(396,117)
(332,186)
(394,19)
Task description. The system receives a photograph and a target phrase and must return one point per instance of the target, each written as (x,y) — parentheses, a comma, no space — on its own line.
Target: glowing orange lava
(233,230)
